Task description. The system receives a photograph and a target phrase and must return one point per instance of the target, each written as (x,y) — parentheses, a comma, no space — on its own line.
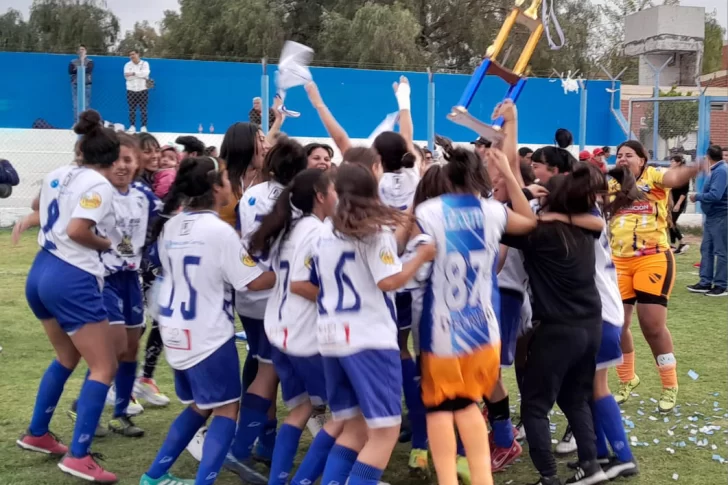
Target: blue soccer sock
(284,453)
(181,432)
(217,443)
(267,440)
(461,446)
(338,465)
(363,474)
(125,377)
(608,415)
(49,393)
(314,462)
(253,415)
(499,415)
(601,439)
(90,406)
(413,400)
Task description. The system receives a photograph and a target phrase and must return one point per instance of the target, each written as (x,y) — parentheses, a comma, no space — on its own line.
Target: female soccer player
(646,267)
(203,262)
(76,210)
(358,268)
(136,208)
(289,234)
(257,411)
(319,155)
(459,328)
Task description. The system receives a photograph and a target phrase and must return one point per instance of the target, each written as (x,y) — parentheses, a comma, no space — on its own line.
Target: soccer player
(203,261)
(75,212)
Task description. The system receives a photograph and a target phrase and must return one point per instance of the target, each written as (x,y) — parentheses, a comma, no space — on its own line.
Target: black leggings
(153,351)
(675,234)
(137,99)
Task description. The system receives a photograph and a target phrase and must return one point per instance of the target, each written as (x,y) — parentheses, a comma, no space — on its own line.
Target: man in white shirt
(137,72)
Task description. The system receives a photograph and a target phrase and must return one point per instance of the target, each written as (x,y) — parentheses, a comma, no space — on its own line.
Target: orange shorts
(646,279)
(470,376)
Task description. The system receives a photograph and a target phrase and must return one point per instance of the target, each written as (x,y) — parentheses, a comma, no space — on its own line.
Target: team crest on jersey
(386,256)
(251,201)
(54,183)
(308,262)
(90,200)
(125,247)
(275,193)
(247,260)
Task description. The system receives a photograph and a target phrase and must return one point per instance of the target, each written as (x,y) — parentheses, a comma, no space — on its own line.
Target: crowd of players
(331,269)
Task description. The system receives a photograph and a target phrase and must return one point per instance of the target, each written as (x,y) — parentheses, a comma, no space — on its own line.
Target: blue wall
(190,93)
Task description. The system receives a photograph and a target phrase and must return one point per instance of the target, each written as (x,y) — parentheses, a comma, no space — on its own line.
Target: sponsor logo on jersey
(641,207)
(386,256)
(90,200)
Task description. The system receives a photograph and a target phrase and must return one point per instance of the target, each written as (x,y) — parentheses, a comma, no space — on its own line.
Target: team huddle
(331,269)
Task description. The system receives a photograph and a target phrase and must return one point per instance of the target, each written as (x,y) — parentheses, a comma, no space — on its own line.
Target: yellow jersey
(641,228)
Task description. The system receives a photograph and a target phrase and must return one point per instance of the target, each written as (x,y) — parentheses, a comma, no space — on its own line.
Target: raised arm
(507,109)
(521,220)
(679,176)
(334,129)
(277,122)
(403,91)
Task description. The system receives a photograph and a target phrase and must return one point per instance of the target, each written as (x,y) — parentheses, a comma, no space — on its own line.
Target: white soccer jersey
(73,192)
(257,202)
(458,316)
(134,212)
(290,319)
(513,275)
(354,314)
(202,261)
(606,280)
(397,189)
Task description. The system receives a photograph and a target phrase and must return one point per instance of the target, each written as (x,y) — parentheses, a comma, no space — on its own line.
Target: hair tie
(296,213)
(214,162)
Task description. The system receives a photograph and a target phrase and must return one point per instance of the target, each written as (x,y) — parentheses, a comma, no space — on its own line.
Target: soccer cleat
(124,426)
(625,389)
(289,112)
(502,458)
(101,430)
(262,455)
(588,474)
(668,399)
(87,468)
(717,292)
(317,420)
(194,447)
(245,470)
(615,468)
(419,466)
(463,470)
(133,409)
(48,444)
(146,388)
(165,480)
(682,248)
(567,444)
(698,288)
(548,481)
(573,465)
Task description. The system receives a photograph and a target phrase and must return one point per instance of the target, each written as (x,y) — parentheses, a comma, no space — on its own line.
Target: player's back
(397,189)
(458,315)
(606,280)
(74,192)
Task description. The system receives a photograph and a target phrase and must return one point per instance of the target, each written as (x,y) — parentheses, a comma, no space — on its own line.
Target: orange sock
(668,375)
(625,370)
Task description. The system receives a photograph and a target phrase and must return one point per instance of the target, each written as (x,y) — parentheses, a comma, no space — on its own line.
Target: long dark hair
(392,149)
(563,138)
(284,161)
(556,157)
(362,156)
(193,185)
(311,147)
(627,194)
(433,183)
(99,146)
(238,148)
(638,148)
(360,213)
(576,192)
(301,194)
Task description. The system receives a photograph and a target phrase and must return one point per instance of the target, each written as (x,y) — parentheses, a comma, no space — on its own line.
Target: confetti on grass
(693,375)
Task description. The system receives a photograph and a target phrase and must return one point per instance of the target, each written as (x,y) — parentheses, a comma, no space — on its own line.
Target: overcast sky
(130,11)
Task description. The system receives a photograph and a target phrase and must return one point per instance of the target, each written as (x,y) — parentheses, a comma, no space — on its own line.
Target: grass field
(698,325)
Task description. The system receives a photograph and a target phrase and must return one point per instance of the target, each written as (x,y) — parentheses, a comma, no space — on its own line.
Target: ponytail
(627,194)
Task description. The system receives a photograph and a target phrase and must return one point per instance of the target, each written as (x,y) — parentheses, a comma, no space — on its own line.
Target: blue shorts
(610,351)
(368,383)
(123,299)
(57,289)
(403,304)
(511,302)
(212,383)
(302,378)
(258,342)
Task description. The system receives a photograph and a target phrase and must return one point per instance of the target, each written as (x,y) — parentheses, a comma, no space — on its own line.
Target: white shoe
(567,444)
(288,112)
(133,409)
(147,390)
(194,447)
(144,129)
(131,130)
(317,421)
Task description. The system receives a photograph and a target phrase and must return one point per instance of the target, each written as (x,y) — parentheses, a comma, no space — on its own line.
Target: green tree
(713,45)
(677,119)
(144,38)
(60,25)
(14,32)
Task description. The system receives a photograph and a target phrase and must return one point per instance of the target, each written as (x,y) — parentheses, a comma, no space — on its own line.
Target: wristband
(403,97)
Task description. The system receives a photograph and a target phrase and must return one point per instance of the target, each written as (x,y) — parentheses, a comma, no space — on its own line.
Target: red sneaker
(48,444)
(501,458)
(87,468)
(697,265)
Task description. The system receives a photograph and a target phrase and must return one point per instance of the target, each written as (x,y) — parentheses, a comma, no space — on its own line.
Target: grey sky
(130,11)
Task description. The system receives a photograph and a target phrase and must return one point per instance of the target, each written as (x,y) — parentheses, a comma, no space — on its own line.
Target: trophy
(516,82)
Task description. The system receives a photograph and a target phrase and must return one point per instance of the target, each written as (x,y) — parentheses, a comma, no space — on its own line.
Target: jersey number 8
(464,279)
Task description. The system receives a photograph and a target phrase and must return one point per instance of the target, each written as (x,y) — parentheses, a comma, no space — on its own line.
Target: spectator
(585,156)
(725,153)
(679,197)
(524,154)
(169,160)
(137,72)
(481,146)
(599,160)
(714,202)
(607,152)
(563,138)
(8,179)
(73,71)
(192,145)
(211,152)
(256,114)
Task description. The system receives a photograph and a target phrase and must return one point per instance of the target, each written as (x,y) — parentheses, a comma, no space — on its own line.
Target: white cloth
(141,72)
(387,124)
(293,66)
